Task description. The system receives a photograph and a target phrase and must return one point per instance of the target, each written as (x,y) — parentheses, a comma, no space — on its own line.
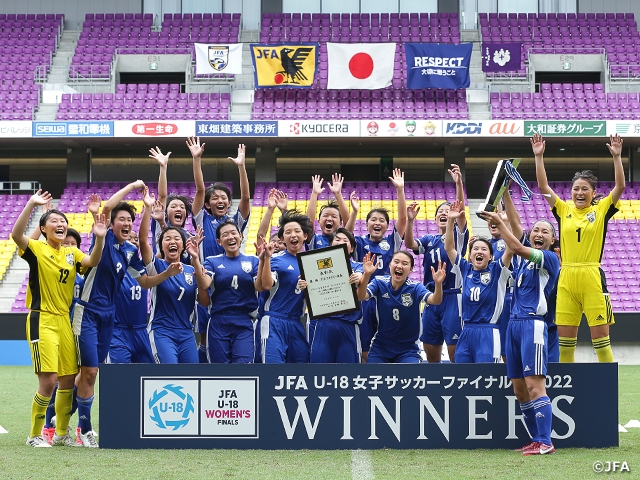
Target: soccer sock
(202,354)
(64,399)
(38,412)
(530,420)
(603,348)
(84,414)
(567,349)
(543,417)
(51,409)
(74,403)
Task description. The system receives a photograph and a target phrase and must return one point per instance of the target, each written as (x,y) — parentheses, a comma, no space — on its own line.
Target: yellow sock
(38,412)
(603,348)
(64,399)
(567,349)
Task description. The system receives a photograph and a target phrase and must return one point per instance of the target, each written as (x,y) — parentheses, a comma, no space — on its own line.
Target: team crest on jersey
(129,255)
(485,278)
(591,216)
(531,266)
(501,246)
(384,245)
(70,259)
(188,277)
(407,301)
(442,238)
(246,266)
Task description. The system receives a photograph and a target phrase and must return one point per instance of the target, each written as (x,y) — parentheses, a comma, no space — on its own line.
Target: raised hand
(149,199)
(260,244)
(398,178)
(282,200)
(456,209)
(439,275)
(157,154)
(40,197)
(195,147)
(272,199)
(93,204)
(100,225)
(48,206)
(199,236)
(192,247)
(412,211)
(537,144)
(138,186)
(615,145)
(370,264)
(494,218)
(158,211)
(174,269)
(455,173)
(336,183)
(316,184)
(239,160)
(355,201)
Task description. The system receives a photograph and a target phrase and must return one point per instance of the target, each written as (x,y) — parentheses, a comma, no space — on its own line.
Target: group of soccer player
(496,305)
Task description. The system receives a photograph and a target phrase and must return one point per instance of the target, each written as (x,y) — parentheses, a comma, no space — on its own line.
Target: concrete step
(478,225)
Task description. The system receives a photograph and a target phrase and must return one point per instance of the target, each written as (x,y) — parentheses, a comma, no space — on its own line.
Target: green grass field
(19,461)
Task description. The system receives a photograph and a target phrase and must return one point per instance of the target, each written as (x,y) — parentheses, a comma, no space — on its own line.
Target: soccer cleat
(63,441)
(522,449)
(53,421)
(78,441)
(88,440)
(47,433)
(37,442)
(538,448)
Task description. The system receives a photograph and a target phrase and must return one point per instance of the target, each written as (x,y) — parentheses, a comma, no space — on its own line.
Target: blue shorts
(257,344)
(503,321)
(334,341)
(478,344)
(203,319)
(283,340)
(553,343)
(93,329)
(398,353)
(173,345)
(229,343)
(130,345)
(369,325)
(442,323)
(526,348)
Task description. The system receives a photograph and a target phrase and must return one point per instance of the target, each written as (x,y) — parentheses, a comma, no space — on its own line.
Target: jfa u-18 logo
(218,56)
(169,407)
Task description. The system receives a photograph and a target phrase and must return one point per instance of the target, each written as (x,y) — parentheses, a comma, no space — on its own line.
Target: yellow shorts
(583,289)
(52,343)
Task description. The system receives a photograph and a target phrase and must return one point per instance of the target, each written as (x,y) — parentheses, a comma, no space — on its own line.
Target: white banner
(16,129)
(218,58)
(626,128)
(151,128)
(483,128)
(401,128)
(318,128)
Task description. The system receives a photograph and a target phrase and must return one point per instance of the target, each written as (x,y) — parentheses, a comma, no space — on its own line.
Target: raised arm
(538,145)
(370,265)
(245,193)
(456,174)
(163,161)
(197,150)
(202,279)
(276,199)
(514,246)
(355,206)
(409,240)
(264,280)
(336,189)
(100,227)
(512,215)
(615,147)
(438,278)
(36,233)
(146,281)
(17,232)
(119,196)
(316,189)
(93,205)
(398,182)
(455,210)
(145,249)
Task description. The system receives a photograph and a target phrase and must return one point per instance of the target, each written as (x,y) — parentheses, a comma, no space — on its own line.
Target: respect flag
(501,57)
(367,66)
(284,65)
(220,58)
(438,65)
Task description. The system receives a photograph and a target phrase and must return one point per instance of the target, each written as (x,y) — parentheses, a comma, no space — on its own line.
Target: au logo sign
(284,65)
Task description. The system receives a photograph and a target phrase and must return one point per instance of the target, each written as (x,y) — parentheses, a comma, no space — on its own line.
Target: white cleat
(63,441)
(37,442)
(88,440)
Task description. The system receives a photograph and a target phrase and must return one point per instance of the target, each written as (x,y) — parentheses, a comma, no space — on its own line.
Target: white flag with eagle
(218,58)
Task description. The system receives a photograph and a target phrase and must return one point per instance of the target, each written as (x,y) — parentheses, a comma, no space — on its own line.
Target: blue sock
(84,414)
(202,354)
(51,409)
(544,416)
(529,416)
(74,403)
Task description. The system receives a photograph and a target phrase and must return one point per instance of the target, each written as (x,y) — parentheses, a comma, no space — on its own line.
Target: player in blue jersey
(228,283)
(397,307)
(526,348)
(440,323)
(130,341)
(382,245)
(484,283)
(211,208)
(173,302)
(336,339)
(94,312)
(332,214)
(282,334)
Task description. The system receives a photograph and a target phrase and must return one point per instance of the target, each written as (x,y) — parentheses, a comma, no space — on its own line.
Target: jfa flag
(367,66)
(284,65)
(221,58)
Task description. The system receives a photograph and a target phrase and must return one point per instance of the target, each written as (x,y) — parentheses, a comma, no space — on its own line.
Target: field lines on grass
(18,461)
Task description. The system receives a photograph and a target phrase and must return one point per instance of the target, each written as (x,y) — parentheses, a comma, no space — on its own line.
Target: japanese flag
(367,66)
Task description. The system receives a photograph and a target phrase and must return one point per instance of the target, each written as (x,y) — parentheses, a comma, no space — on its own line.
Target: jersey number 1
(578,232)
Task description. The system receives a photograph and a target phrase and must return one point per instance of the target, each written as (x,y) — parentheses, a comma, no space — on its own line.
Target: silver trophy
(499,183)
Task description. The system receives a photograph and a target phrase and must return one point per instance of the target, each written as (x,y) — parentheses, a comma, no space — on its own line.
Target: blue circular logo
(171,408)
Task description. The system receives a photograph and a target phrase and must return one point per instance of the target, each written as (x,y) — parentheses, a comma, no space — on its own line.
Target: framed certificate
(327,273)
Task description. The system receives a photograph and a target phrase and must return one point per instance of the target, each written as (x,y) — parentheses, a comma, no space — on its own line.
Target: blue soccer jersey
(317,241)
(384,249)
(77,289)
(285,300)
(102,283)
(432,247)
(209,223)
(131,304)
(173,302)
(483,291)
(398,310)
(535,283)
(233,294)
(156,231)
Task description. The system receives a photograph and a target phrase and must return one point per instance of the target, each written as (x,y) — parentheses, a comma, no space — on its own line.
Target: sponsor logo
(386,295)
(51,129)
(463,128)
(300,128)
(504,128)
(155,129)
(290,268)
(171,408)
